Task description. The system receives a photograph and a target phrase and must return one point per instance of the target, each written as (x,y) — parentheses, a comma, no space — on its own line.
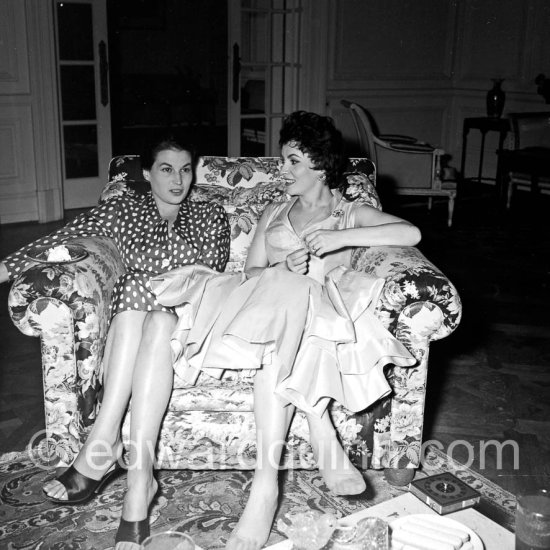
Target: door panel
(264,38)
(81,35)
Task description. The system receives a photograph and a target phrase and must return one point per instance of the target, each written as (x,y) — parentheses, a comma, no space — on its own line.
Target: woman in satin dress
(302,317)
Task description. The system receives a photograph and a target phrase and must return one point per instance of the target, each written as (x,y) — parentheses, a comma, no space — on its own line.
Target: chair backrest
(364,129)
(530,129)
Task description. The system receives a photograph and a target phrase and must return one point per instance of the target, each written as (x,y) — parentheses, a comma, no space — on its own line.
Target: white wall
(421,66)
(30,171)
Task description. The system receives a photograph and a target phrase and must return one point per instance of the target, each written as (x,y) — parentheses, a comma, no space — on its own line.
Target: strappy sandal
(81,488)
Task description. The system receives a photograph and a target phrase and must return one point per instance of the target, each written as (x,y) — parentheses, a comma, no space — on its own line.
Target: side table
(484,125)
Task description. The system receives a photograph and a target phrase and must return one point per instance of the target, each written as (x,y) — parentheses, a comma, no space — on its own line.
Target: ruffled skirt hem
(324,340)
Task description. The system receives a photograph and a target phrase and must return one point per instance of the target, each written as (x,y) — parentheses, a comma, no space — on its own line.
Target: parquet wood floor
(488,382)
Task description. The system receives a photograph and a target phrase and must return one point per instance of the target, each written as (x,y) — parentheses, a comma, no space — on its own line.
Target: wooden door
(83,89)
(264,72)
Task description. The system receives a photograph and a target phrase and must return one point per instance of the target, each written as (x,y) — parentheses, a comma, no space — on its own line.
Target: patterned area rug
(204,504)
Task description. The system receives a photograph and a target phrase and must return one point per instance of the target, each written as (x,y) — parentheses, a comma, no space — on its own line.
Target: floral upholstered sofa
(211,425)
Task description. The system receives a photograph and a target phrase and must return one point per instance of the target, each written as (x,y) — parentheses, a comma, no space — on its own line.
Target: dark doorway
(168,73)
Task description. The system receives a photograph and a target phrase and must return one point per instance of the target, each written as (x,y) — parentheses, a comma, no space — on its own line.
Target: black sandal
(132,531)
(81,488)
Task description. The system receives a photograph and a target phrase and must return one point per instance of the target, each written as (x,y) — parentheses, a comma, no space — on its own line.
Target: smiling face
(170,177)
(297,171)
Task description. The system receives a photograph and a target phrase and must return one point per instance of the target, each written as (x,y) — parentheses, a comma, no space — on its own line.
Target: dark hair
(316,136)
(167,144)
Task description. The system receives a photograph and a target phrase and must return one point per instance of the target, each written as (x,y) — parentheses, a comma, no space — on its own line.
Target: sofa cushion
(229,396)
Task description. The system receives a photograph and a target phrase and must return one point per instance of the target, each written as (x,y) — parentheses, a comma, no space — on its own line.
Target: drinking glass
(533,520)
(169,540)
(368,534)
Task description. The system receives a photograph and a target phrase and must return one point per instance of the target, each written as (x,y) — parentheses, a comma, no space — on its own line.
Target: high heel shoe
(132,531)
(135,532)
(81,488)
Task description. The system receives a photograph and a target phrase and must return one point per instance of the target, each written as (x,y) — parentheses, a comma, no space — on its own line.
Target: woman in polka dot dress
(155,233)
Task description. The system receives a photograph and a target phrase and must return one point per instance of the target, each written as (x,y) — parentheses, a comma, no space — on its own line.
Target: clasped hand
(323,241)
(318,242)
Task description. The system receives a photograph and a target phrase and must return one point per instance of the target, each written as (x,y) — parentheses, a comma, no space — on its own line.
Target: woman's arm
(372,228)
(217,239)
(257,261)
(98,221)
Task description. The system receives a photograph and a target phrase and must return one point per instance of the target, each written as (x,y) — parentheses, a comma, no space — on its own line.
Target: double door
(83,93)
(263,73)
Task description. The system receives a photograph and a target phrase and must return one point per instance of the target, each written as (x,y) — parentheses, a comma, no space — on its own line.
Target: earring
(323,178)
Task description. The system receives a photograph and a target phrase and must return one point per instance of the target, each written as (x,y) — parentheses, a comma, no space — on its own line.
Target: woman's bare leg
(151,390)
(272,422)
(340,475)
(103,444)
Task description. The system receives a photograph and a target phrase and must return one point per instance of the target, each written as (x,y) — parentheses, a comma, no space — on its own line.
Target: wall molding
(415,51)
(47,136)
(14,66)
(16,128)
(17,209)
(315,23)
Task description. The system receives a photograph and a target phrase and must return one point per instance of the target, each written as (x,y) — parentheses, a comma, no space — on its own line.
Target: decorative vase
(495,99)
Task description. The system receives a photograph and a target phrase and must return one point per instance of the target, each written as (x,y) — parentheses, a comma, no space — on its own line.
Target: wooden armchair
(404,165)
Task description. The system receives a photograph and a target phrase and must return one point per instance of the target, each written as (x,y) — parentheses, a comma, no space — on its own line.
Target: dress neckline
(309,224)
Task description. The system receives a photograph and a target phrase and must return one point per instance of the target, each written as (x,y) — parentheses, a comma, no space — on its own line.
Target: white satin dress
(318,330)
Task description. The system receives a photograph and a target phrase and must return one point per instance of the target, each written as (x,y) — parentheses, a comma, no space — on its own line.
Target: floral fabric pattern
(210,425)
(67,305)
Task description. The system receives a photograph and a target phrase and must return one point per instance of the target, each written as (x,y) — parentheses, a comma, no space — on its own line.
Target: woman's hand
(297,261)
(322,241)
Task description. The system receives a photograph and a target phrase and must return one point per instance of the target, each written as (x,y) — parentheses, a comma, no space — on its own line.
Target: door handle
(236,72)
(103,74)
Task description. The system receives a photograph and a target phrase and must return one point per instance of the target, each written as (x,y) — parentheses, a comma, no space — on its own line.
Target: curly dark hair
(166,144)
(317,137)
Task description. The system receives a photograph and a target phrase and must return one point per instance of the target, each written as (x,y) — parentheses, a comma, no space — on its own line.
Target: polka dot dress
(200,234)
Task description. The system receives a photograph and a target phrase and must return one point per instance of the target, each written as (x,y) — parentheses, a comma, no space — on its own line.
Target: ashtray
(57,254)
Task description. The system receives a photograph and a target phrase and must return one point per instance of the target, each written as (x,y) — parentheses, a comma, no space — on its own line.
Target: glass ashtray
(57,254)
(370,533)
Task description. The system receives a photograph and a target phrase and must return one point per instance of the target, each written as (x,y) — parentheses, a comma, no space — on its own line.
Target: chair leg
(509,197)
(430,202)
(451,211)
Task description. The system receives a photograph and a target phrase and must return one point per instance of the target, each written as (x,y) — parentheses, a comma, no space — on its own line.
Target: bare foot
(252,531)
(340,475)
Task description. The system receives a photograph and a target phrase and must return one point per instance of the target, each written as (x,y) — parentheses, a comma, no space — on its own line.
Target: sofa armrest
(67,305)
(418,301)
(418,304)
